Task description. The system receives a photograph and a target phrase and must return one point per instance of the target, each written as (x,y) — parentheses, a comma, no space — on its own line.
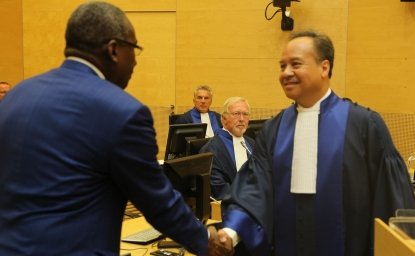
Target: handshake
(220,244)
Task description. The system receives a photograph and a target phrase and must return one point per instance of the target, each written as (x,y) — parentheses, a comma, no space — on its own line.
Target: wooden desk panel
(389,243)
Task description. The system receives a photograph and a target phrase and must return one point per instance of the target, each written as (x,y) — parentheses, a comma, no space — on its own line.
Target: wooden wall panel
(154,74)
(146,5)
(153,80)
(232,47)
(44,25)
(230,77)
(228,45)
(381,55)
(11,42)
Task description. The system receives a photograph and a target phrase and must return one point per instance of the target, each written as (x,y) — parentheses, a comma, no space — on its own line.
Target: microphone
(247,149)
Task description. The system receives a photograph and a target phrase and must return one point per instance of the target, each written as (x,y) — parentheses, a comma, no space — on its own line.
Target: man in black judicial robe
(359,173)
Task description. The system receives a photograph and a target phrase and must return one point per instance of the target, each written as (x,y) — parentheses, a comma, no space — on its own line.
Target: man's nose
(287,71)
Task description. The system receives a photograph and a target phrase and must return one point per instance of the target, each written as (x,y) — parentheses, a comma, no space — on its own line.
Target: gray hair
(94,24)
(205,88)
(232,100)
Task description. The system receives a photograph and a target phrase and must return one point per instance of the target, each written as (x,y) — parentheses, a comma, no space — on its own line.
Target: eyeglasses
(238,114)
(137,49)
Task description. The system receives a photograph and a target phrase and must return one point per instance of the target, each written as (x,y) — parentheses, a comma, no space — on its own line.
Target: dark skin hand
(220,244)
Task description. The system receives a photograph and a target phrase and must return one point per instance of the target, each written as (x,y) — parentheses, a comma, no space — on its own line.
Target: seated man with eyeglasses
(230,148)
(202,99)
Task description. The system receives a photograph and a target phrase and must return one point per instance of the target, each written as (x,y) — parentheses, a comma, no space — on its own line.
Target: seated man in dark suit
(230,148)
(202,99)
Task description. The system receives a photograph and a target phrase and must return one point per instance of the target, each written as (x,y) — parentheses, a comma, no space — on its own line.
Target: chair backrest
(173,118)
(193,146)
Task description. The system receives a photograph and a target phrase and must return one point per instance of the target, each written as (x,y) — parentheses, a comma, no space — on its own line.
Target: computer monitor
(193,146)
(254,127)
(190,175)
(178,136)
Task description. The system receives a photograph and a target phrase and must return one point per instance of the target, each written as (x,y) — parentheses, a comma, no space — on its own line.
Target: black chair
(193,146)
(173,118)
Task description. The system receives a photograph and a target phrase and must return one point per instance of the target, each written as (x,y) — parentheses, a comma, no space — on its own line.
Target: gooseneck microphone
(247,149)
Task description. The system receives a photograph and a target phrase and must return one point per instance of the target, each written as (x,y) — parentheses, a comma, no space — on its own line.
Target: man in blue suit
(75,147)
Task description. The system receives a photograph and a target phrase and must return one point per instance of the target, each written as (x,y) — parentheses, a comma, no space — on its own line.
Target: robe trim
(329,195)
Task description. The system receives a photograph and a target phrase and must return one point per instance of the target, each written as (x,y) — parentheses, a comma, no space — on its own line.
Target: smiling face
(303,77)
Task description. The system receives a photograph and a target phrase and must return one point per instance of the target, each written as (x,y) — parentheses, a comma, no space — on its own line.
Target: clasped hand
(220,244)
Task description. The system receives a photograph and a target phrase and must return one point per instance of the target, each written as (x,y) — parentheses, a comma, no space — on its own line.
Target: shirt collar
(233,136)
(89,64)
(316,106)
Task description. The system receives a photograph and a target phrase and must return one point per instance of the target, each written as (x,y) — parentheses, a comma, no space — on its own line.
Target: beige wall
(11,40)
(381,55)
(232,47)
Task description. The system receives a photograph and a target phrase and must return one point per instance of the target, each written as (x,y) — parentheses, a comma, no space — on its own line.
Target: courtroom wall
(232,47)
(11,40)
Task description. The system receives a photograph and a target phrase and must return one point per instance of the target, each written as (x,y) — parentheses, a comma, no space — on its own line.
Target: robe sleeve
(249,210)
(392,187)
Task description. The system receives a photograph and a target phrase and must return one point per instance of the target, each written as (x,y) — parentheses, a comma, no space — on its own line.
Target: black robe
(366,178)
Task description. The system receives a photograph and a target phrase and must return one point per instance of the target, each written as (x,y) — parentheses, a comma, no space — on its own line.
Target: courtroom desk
(132,226)
(388,242)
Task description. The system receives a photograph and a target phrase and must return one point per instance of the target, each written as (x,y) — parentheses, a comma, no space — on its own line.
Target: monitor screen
(190,175)
(193,146)
(254,127)
(178,136)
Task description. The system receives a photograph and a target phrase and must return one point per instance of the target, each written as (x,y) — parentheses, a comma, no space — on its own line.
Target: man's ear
(112,50)
(325,68)
(222,118)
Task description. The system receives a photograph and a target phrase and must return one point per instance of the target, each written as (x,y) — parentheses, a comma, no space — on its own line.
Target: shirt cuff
(233,235)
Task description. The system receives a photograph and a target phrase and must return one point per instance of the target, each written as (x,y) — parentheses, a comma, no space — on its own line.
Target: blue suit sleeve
(139,176)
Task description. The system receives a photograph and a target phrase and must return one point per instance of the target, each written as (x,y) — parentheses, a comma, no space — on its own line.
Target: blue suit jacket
(73,149)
